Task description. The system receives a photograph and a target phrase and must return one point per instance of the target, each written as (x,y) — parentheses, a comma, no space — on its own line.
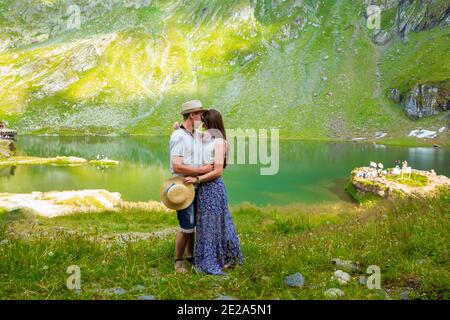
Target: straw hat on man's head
(192,106)
(176,195)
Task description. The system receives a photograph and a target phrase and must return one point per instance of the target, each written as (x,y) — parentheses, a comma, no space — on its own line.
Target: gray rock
(150,297)
(225,297)
(394,94)
(347,265)
(362,280)
(295,280)
(334,293)
(118,291)
(405,294)
(139,288)
(342,277)
(426,100)
(420,262)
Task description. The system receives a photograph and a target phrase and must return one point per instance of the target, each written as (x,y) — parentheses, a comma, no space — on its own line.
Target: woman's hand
(190,180)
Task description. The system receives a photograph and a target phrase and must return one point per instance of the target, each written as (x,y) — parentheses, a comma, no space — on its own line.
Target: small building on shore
(6,133)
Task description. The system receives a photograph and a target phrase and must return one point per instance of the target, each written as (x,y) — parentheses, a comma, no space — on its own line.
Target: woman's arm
(219,157)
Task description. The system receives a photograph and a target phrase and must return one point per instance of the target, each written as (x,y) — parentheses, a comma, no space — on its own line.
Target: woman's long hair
(213,123)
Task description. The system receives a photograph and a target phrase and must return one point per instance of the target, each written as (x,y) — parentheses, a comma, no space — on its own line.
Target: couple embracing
(207,232)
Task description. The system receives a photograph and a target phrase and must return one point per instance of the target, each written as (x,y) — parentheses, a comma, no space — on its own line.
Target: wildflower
(50,254)
(44,267)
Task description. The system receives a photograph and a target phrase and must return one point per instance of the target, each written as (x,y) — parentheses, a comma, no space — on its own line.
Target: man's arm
(180,168)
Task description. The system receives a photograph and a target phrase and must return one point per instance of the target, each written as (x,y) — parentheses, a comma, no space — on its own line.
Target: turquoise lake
(309,171)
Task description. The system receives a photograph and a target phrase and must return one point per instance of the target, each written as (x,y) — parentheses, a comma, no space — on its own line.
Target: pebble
(295,280)
(225,297)
(334,293)
(342,277)
(150,297)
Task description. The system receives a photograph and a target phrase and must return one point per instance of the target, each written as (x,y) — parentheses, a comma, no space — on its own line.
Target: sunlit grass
(407,239)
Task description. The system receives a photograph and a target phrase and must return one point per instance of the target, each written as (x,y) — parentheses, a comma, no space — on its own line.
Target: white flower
(44,267)
(50,254)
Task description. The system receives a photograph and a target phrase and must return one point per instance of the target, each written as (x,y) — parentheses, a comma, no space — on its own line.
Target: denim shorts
(186,217)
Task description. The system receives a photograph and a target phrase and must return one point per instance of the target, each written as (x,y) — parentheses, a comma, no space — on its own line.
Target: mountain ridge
(310,68)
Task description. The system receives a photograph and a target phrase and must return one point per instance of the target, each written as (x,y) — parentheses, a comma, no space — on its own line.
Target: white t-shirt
(187,145)
(208,149)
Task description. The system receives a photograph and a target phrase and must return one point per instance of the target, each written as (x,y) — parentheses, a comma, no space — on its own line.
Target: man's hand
(176,125)
(206,168)
(190,180)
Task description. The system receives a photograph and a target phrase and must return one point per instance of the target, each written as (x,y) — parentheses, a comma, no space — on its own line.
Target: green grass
(416,180)
(25,160)
(408,239)
(366,198)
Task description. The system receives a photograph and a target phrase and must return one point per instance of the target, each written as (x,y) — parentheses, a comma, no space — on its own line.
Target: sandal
(191,260)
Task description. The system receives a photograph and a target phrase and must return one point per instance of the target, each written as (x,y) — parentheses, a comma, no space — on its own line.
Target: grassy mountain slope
(309,68)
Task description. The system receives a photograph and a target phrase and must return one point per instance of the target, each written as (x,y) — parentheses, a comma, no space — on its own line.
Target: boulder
(426,100)
(342,277)
(334,293)
(364,183)
(295,280)
(346,265)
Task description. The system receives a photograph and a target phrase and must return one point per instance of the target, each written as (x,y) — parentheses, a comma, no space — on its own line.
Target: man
(185,160)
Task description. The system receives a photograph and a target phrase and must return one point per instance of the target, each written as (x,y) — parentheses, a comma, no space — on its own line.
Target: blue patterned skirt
(217,242)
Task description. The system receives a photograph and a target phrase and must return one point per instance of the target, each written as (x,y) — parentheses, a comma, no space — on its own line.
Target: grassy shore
(408,239)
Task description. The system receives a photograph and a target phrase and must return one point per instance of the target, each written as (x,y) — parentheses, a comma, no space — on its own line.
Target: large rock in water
(390,186)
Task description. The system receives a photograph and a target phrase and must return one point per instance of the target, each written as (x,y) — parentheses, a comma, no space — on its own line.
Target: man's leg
(182,240)
(185,218)
(190,245)
(191,242)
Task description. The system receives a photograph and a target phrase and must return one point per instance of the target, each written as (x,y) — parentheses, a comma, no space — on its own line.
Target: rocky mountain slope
(311,68)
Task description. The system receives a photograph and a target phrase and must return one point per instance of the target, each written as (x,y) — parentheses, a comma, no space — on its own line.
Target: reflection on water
(309,171)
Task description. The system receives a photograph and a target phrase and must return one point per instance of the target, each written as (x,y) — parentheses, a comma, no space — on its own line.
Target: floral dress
(217,242)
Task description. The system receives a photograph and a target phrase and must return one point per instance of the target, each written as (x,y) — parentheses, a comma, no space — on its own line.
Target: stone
(422,134)
(334,293)
(51,204)
(295,280)
(380,135)
(139,288)
(394,94)
(342,277)
(366,180)
(404,295)
(426,100)
(149,297)
(225,297)
(117,291)
(362,280)
(346,265)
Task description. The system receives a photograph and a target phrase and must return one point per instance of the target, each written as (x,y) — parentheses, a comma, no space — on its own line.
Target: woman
(217,245)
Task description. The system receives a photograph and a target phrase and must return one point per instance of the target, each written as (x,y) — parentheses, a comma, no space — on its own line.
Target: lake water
(311,172)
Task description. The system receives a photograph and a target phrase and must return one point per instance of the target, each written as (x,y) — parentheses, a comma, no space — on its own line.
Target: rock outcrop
(389,186)
(57,203)
(410,16)
(423,100)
